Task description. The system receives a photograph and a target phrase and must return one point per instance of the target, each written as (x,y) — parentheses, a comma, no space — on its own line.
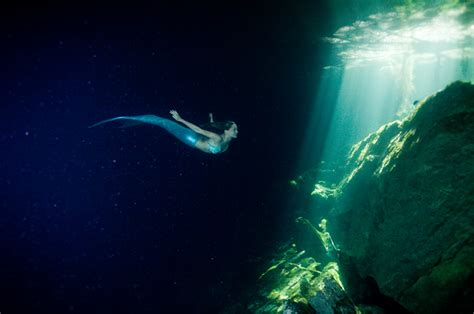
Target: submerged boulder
(404,210)
(296,284)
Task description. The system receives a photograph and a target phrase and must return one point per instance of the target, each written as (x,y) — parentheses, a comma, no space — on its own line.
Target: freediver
(191,135)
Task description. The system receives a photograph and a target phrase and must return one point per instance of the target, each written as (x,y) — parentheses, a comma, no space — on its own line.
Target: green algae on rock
(294,283)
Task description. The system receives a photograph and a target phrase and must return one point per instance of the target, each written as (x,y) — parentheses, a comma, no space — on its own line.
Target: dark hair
(218,127)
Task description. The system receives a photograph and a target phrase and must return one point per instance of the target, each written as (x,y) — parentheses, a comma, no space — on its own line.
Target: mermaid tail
(185,135)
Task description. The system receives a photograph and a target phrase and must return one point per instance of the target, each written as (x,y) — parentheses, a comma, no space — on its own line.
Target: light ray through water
(389,61)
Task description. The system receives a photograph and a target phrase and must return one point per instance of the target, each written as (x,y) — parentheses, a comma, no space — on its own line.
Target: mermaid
(211,142)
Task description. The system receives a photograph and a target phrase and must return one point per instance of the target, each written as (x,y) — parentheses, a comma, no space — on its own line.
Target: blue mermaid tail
(185,135)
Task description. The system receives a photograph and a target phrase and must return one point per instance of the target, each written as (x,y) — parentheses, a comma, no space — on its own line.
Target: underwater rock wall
(404,209)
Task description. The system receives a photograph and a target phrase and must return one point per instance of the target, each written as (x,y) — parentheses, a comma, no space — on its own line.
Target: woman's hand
(175,115)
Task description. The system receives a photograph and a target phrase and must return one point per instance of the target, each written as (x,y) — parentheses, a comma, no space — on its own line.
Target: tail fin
(105,121)
(135,120)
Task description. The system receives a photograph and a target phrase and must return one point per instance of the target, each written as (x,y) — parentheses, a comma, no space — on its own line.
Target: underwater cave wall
(404,210)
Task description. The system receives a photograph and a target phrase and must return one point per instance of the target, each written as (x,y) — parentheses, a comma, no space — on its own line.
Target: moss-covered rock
(404,210)
(295,283)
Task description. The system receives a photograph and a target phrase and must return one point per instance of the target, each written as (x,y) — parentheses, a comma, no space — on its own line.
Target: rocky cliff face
(403,211)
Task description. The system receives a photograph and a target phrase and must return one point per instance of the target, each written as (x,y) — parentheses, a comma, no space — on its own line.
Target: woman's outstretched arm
(194,127)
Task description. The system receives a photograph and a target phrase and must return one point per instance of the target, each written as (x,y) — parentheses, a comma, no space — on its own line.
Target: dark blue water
(130,220)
